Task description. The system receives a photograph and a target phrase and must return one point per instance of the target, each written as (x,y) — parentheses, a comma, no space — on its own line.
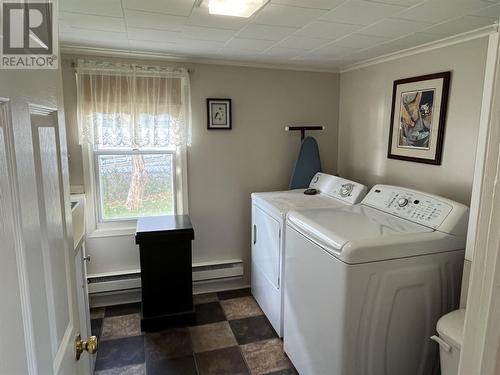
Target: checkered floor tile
(230,336)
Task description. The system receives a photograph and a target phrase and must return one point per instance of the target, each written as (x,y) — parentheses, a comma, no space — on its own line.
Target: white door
(38,314)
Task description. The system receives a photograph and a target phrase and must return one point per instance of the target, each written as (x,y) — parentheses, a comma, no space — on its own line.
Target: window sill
(111,232)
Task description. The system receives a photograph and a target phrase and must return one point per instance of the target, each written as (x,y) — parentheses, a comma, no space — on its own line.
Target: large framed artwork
(418,118)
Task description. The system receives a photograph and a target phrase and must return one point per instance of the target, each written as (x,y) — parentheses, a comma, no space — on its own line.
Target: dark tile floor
(231,336)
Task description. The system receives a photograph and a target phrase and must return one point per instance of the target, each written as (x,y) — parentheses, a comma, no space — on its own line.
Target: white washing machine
(268,234)
(366,284)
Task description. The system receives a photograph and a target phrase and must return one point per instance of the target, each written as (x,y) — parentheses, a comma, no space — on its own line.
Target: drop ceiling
(308,34)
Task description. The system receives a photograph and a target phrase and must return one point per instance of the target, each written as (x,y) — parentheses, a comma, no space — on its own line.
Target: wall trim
(441,43)
(481,340)
(482,141)
(67,49)
(134,295)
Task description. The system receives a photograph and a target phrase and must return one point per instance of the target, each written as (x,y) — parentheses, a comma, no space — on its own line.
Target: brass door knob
(90,346)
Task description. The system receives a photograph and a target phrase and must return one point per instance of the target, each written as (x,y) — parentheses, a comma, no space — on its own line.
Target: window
(135,183)
(134,124)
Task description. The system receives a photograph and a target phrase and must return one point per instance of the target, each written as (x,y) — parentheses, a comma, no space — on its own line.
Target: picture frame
(418,118)
(219,114)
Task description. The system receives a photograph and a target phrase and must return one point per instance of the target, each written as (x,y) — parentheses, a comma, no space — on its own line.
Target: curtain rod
(73,65)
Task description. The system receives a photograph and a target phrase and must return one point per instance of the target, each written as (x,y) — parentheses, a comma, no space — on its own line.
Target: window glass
(133,185)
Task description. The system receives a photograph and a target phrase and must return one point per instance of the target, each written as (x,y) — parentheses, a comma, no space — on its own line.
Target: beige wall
(365,105)
(224,167)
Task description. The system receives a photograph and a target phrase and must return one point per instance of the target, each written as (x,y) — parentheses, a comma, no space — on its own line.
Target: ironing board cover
(307,165)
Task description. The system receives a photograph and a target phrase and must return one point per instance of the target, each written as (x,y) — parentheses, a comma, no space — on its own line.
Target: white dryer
(269,212)
(366,284)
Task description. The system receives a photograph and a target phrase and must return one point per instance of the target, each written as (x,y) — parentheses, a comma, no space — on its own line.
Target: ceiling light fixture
(235,8)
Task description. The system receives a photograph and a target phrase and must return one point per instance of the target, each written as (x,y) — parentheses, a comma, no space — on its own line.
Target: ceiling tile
(359,41)
(329,65)
(458,26)
(393,28)
(148,20)
(361,56)
(87,21)
(237,54)
(330,51)
(201,17)
(112,8)
(203,46)
(174,7)
(286,53)
(190,47)
(414,40)
(379,50)
(265,32)
(327,30)
(443,10)
(187,33)
(405,3)
(361,12)
(302,33)
(162,36)
(318,4)
(94,38)
(490,12)
(205,33)
(257,45)
(301,42)
(311,60)
(281,15)
(147,45)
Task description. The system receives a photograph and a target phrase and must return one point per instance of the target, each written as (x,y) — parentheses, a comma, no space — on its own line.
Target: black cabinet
(166,270)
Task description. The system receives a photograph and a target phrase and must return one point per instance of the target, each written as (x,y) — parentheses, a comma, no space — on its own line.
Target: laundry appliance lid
(333,191)
(280,202)
(359,234)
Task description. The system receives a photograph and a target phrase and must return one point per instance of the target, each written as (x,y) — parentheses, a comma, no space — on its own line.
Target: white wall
(224,167)
(365,109)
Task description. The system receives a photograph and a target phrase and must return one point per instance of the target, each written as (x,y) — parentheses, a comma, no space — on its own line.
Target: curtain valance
(137,106)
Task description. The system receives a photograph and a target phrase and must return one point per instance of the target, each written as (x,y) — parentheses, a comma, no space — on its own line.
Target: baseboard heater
(203,272)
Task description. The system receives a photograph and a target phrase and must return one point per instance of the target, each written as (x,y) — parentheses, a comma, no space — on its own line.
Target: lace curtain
(133,106)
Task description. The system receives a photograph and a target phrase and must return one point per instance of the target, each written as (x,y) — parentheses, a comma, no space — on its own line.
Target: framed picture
(418,118)
(219,114)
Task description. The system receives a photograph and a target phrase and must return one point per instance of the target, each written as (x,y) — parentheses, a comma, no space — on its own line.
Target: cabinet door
(82,296)
(266,233)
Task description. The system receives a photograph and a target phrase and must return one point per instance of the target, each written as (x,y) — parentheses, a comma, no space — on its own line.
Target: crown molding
(441,43)
(110,52)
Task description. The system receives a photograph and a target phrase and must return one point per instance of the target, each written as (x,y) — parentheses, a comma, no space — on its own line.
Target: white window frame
(99,228)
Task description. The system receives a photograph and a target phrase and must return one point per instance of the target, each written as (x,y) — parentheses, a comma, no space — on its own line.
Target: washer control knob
(402,202)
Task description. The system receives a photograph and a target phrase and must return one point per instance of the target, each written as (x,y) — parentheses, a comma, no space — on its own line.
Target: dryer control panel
(340,188)
(422,208)
(348,191)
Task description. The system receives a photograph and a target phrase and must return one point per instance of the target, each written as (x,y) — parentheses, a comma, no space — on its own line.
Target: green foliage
(115,175)
(162,204)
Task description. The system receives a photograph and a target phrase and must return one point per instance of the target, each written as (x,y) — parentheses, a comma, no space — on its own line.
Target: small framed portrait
(219,114)
(418,118)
